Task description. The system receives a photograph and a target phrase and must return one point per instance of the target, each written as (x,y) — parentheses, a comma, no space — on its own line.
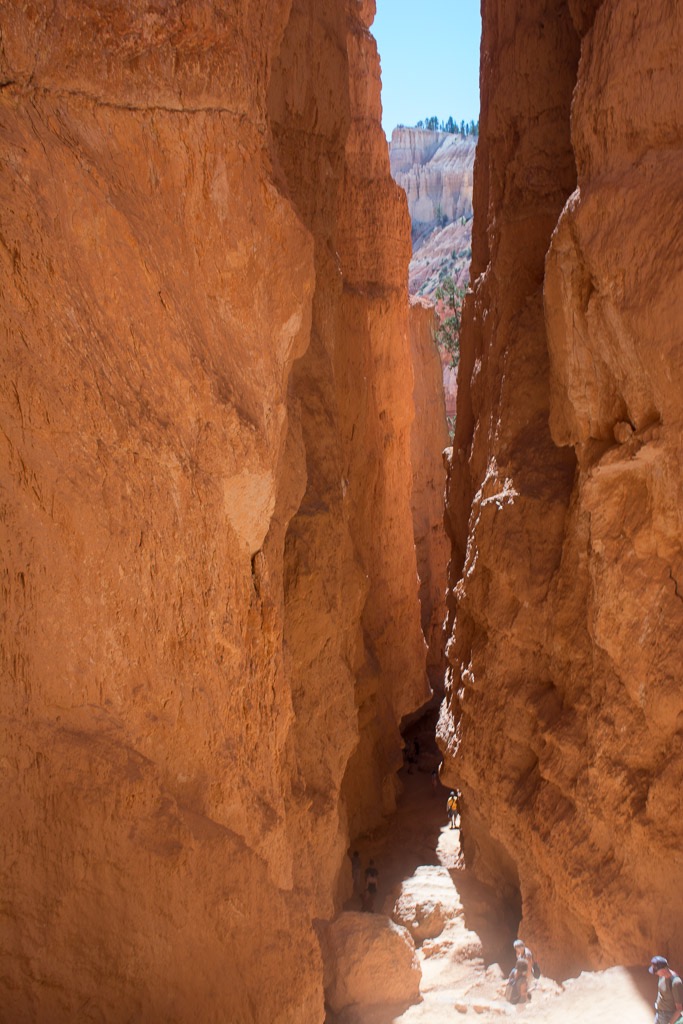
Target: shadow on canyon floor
(411,838)
(464,968)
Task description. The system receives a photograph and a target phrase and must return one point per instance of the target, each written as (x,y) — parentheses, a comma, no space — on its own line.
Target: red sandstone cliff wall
(565,704)
(211,623)
(429,438)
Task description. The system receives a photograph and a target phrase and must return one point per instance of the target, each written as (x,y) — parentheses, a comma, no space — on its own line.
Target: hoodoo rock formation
(435,169)
(211,625)
(564,716)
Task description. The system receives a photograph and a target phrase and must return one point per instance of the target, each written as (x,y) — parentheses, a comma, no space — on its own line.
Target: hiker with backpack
(517,988)
(452,807)
(669,1003)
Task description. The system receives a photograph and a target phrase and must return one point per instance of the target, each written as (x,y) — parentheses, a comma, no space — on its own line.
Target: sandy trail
(464,968)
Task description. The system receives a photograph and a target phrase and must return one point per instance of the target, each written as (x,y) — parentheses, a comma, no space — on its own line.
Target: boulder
(370,960)
(427,901)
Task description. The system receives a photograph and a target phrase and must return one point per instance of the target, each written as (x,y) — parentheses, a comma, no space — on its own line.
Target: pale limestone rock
(427,902)
(435,171)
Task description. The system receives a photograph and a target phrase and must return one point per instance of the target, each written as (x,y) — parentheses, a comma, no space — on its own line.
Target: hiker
(435,781)
(523,952)
(669,1004)
(517,988)
(355,872)
(452,807)
(371,880)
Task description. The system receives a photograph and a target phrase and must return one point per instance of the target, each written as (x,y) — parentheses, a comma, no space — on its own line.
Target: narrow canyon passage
(463,936)
(222,542)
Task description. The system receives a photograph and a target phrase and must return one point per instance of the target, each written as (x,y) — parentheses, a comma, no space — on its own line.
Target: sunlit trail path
(464,967)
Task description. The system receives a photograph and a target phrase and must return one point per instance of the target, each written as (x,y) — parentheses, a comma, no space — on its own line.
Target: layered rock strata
(211,627)
(435,171)
(564,715)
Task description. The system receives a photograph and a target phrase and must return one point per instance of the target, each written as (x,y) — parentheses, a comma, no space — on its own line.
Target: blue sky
(430,59)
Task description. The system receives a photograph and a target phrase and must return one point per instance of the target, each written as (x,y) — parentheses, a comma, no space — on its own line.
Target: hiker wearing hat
(452,807)
(523,952)
(669,1004)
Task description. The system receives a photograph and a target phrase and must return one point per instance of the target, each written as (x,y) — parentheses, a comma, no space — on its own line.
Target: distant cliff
(435,169)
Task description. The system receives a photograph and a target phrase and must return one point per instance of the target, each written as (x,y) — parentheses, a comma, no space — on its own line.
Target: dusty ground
(464,968)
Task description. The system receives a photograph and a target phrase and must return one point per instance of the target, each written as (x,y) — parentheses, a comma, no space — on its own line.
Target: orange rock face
(429,437)
(565,705)
(372,962)
(211,626)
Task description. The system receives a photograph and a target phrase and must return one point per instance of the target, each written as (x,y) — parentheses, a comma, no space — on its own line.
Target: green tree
(448,332)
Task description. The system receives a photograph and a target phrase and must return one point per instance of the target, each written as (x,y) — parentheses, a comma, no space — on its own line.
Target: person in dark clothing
(371,880)
(517,988)
(355,872)
(669,1003)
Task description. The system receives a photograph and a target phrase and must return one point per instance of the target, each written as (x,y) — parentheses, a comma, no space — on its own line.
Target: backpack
(513,989)
(671,979)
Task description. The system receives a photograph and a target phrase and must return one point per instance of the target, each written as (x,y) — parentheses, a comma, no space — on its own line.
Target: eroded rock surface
(211,625)
(435,171)
(565,707)
(372,961)
(427,902)
(429,436)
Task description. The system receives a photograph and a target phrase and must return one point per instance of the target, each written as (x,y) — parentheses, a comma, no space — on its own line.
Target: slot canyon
(230,584)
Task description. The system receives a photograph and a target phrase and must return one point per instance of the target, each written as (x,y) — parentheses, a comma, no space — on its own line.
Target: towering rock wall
(564,716)
(210,626)
(429,438)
